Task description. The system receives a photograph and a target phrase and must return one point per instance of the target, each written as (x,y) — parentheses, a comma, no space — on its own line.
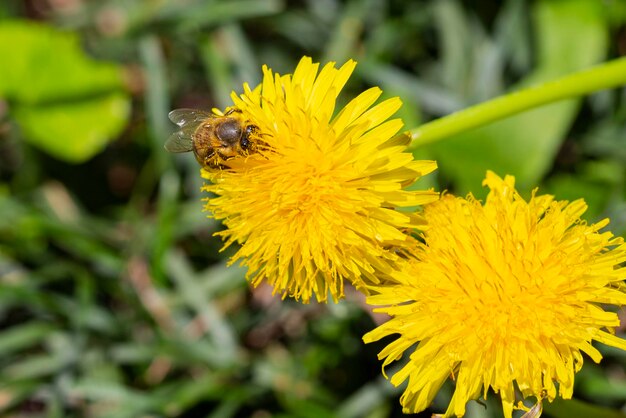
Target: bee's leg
(225,153)
(245,142)
(232,110)
(209,160)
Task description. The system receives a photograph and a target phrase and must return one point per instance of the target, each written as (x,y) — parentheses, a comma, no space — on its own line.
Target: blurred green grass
(114,298)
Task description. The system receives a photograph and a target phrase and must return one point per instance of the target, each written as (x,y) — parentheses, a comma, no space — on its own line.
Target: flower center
(308,189)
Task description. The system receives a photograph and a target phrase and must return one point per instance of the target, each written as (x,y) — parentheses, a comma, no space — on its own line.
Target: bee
(213,139)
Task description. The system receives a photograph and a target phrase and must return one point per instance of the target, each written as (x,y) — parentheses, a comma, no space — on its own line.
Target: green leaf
(596,384)
(21,337)
(15,392)
(571,34)
(122,401)
(74,131)
(595,181)
(573,408)
(66,104)
(156,97)
(36,366)
(570,187)
(204,14)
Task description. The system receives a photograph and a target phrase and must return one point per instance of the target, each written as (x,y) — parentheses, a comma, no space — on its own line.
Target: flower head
(316,204)
(509,291)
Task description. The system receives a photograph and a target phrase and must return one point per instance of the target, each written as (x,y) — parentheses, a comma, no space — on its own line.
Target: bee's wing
(535,411)
(189,117)
(180,141)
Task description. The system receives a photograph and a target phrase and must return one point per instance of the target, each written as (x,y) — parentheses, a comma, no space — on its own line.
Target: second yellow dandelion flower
(506,292)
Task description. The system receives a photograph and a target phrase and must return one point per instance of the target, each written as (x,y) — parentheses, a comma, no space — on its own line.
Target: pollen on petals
(318,204)
(502,294)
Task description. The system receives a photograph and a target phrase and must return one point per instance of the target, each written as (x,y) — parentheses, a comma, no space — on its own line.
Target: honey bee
(213,139)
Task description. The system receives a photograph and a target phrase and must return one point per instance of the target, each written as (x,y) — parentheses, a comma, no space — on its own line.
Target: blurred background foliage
(114,298)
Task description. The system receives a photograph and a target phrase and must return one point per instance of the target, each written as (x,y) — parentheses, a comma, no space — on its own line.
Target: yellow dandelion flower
(316,204)
(509,291)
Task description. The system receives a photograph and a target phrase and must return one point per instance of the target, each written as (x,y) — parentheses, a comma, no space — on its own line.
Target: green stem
(604,76)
